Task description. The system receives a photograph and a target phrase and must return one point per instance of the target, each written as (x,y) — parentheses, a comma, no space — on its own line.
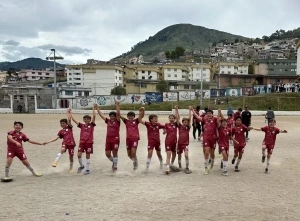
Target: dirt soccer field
(247,195)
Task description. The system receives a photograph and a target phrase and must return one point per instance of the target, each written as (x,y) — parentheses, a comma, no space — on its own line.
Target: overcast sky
(102,30)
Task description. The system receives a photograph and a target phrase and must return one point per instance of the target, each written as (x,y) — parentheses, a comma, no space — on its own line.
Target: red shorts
(182,148)
(224,148)
(132,143)
(112,145)
(239,149)
(268,147)
(70,148)
(19,152)
(85,147)
(170,147)
(209,143)
(155,146)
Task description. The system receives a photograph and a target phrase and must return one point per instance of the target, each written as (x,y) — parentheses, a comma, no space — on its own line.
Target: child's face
(272,124)
(63,124)
(18,127)
(209,115)
(154,120)
(229,116)
(130,117)
(224,124)
(86,120)
(238,122)
(112,117)
(185,123)
(171,119)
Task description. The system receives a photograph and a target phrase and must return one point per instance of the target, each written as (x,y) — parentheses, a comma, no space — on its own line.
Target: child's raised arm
(177,115)
(99,112)
(118,110)
(196,115)
(141,115)
(69,118)
(73,119)
(190,115)
(94,113)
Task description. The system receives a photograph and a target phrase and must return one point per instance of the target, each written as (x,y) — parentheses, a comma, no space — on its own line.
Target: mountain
(190,37)
(28,63)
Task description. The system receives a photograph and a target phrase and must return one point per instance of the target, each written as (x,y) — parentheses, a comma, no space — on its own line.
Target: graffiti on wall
(154,97)
(84,102)
(170,96)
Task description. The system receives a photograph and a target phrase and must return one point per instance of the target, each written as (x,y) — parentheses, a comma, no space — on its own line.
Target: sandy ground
(248,195)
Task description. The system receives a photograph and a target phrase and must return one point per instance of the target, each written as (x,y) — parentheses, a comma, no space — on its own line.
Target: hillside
(28,63)
(190,37)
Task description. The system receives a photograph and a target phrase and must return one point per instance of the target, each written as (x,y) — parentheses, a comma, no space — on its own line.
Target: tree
(179,51)
(119,90)
(162,86)
(168,54)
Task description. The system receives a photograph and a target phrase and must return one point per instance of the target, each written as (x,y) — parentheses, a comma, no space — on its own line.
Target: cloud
(11,42)
(66,50)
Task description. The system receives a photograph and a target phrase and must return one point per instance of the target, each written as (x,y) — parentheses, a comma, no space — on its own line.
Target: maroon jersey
(184,135)
(171,130)
(210,128)
(86,132)
(236,114)
(132,128)
(67,135)
(270,135)
(113,129)
(239,134)
(153,132)
(224,135)
(230,123)
(17,136)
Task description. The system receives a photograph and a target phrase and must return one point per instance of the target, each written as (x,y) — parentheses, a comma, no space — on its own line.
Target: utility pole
(201,84)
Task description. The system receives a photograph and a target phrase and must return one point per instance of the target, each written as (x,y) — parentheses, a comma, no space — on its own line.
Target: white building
(233,68)
(100,78)
(195,74)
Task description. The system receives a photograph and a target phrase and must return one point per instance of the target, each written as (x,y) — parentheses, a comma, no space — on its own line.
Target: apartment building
(282,67)
(233,68)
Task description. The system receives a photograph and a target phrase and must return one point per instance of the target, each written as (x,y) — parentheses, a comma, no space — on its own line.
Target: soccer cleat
(80,169)
(54,164)
(206,171)
(37,174)
(135,165)
(266,170)
(263,158)
(233,161)
(221,164)
(187,171)
(87,172)
(220,154)
(224,173)
(236,169)
(167,172)
(115,169)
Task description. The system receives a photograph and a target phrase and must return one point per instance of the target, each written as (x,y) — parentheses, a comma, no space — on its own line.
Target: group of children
(215,130)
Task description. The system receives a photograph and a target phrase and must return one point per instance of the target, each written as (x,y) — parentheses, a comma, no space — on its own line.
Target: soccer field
(127,195)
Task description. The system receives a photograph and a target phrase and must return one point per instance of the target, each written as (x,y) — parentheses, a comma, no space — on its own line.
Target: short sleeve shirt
(18,137)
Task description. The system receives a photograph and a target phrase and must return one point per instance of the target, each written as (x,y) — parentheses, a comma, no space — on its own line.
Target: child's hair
(205,109)
(63,121)
(223,120)
(238,117)
(112,113)
(240,109)
(151,116)
(185,119)
(18,122)
(87,117)
(172,115)
(209,111)
(130,114)
(272,120)
(198,108)
(229,115)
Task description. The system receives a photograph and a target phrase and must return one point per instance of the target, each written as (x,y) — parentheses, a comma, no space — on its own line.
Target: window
(70,79)
(70,93)
(229,72)
(169,69)
(227,79)
(204,69)
(247,80)
(186,86)
(116,77)
(21,97)
(149,72)
(169,75)
(175,69)
(222,72)
(33,77)
(175,87)
(175,75)
(144,85)
(143,77)
(120,78)
(70,73)
(47,73)
(79,93)
(86,93)
(143,72)
(77,79)
(78,83)
(228,66)
(32,72)
(39,73)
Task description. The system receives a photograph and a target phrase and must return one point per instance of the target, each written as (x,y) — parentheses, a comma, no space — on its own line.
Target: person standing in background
(246,119)
(270,115)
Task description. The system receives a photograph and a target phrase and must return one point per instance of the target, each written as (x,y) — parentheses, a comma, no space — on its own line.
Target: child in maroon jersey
(153,136)
(86,140)
(184,137)
(170,130)
(112,135)
(132,136)
(15,148)
(210,124)
(66,133)
(238,132)
(223,142)
(269,141)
